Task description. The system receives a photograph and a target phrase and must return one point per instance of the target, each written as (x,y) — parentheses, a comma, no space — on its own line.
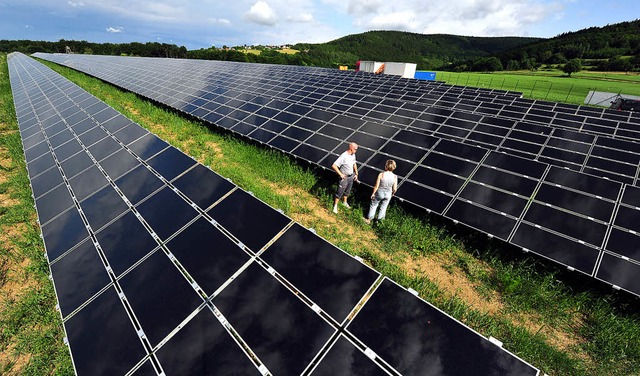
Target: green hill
(613,48)
(427,51)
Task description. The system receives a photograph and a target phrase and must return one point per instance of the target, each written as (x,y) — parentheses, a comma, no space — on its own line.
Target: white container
(370,66)
(406,70)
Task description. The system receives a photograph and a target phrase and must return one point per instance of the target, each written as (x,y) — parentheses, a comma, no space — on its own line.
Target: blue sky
(206,23)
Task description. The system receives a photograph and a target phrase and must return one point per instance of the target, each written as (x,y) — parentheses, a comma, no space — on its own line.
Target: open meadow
(550,85)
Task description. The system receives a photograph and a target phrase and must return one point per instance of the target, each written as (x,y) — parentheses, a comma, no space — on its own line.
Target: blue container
(428,76)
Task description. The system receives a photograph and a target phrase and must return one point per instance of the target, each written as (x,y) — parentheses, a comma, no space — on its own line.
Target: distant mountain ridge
(443,51)
(427,51)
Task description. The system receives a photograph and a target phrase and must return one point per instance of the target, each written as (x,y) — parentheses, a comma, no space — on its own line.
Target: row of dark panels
(129,237)
(589,119)
(282,79)
(437,170)
(562,221)
(391,85)
(604,156)
(368,83)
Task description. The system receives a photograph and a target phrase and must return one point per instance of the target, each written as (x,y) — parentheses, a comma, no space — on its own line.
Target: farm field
(548,85)
(553,319)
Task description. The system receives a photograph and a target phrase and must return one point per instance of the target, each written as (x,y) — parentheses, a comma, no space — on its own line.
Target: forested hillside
(612,48)
(427,51)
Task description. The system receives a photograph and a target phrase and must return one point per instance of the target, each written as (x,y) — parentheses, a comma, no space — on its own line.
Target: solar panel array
(548,177)
(162,266)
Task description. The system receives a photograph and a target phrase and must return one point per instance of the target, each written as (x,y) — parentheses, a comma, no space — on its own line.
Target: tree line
(149,49)
(610,48)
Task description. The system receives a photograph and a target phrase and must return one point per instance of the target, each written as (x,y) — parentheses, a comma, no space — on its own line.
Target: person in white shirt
(346,168)
(386,186)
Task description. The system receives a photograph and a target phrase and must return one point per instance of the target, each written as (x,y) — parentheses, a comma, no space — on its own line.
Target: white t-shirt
(345,163)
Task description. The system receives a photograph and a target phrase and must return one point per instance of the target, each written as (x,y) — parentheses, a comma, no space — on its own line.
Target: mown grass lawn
(548,85)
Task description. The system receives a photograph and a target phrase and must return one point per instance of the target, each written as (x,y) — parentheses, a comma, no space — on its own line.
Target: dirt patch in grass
(6,163)
(454,281)
(11,363)
(15,278)
(563,336)
(215,148)
(15,282)
(6,200)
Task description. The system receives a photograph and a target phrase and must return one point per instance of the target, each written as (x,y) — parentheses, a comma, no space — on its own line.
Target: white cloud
(75,4)
(404,21)
(302,17)
(364,7)
(220,21)
(262,13)
(145,10)
(115,30)
(460,17)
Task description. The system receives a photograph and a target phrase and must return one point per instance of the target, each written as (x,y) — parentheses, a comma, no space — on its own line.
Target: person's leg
(373,206)
(383,206)
(340,191)
(347,190)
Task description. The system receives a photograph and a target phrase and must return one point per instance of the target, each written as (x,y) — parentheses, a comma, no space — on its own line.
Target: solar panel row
(161,266)
(528,197)
(600,155)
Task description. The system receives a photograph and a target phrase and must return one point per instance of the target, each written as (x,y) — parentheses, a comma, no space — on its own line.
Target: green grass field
(548,85)
(560,322)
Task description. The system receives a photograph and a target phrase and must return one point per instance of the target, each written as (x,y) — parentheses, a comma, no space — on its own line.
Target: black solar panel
(461,125)
(161,266)
(436,346)
(431,167)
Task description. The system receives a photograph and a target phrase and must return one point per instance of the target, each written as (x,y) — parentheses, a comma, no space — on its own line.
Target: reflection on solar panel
(157,274)
(540,175)
(275,95)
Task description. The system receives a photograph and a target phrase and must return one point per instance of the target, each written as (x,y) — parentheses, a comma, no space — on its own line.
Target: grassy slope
(31,329)
(540,314)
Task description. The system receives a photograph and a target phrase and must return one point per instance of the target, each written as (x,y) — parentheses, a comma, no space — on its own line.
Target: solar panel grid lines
(416,354)
(280,140)
(83,259)
(54,264)
(129,305)
(554,143)
(619,261)
(345,356)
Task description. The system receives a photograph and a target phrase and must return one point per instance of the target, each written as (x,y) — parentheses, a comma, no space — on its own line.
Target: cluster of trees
(609,48)
(266,56)
(149,49)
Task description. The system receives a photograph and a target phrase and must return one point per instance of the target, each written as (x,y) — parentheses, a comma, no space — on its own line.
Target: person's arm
(355,170)
(375,187)
(337,170)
